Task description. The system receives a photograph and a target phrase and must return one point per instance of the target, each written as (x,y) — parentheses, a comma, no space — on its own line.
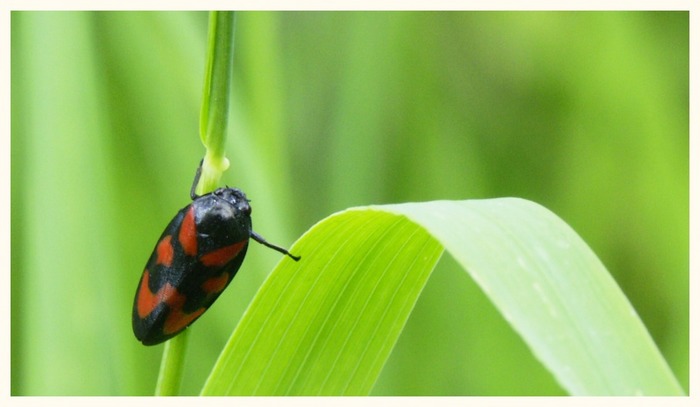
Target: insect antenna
(264,242)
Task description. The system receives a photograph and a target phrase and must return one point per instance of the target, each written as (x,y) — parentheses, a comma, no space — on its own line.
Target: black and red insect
(195,259)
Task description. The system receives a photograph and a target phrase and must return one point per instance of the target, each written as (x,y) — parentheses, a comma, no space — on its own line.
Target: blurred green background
(585,113)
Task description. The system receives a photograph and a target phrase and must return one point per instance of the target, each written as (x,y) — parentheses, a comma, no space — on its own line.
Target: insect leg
(198,174)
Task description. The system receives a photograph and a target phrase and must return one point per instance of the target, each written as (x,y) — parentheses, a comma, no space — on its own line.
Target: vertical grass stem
(213,124)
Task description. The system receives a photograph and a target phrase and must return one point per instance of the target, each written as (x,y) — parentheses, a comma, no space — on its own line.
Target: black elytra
(195,259)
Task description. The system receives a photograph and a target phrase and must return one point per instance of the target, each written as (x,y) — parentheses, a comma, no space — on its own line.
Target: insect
(195,258)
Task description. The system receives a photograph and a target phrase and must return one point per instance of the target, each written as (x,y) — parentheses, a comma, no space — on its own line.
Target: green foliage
(213,117)
(172,365)
(584,113)
(326,326)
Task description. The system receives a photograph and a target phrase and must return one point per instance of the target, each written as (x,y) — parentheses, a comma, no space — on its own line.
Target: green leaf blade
(321,326)
(326,325)
(554,291)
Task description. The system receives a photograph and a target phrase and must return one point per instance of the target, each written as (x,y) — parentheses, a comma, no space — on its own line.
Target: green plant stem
(216,97)
(213,123)
(171,366)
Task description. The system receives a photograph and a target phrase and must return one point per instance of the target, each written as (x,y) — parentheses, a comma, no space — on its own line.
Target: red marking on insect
(222,256)
(188,233)
(215,284)
(165,252)
(177,320)
(147,300)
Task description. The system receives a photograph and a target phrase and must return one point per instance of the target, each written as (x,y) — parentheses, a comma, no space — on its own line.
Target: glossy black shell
(221,219)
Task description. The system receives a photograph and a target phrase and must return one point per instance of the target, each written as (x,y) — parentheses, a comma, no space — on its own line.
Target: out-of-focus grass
(585,113)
